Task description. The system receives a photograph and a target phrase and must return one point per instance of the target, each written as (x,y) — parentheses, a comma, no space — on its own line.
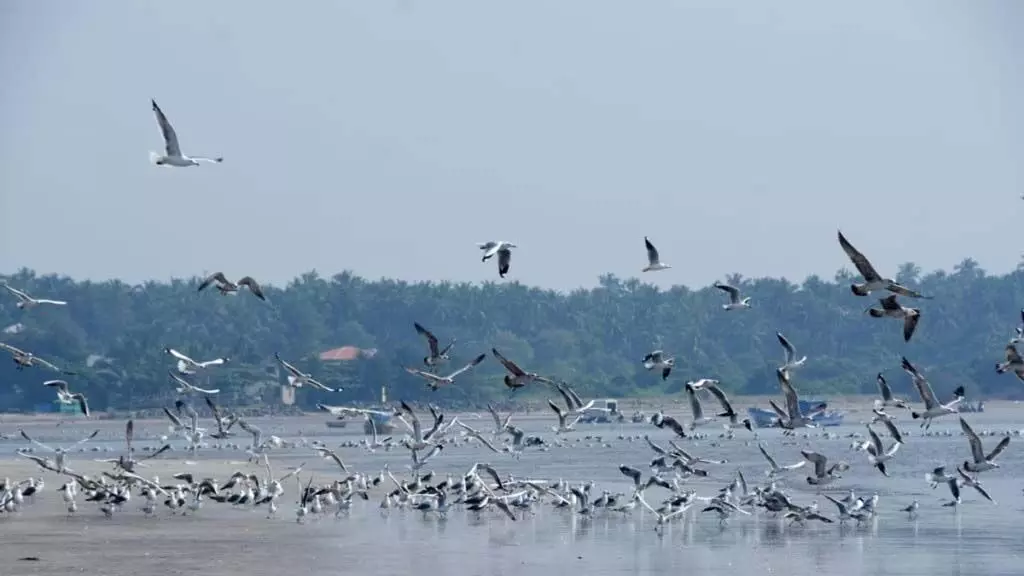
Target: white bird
(434,381)
(297,378)
(502,249)
(877,453)
(887,397)
(184,386)
(60,454)
(893,309)
(982,462)
(696,409)
(791,361)
(188,366)
(67,397)
(932,407)
(873,281)
(774,469)
(24,359)
(563,425)
(735,302)
(654,263)
(657,359)
(27,302)
(173,155)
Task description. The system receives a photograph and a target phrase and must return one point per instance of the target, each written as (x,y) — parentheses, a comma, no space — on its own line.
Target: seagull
(435,381)
(26,302)
(1013,362)
(791,361)
(792,417)
(298,378)
(712,386)
(981,462)
(27,359)
(188,366)
(653,262)
(226,286)
(437,356)
(657,359)
(173,156)
(937,476)
(877,453)
(973,482)
(59,462)
(502,249)
(563,425)
(1019,330)
(873,281)
(911,510)
(517,377)
(932,407)
(695,408)
(66,397)
(184,386)
(775,469)
(735,303)
(887,398)
(893,309)
(823,474)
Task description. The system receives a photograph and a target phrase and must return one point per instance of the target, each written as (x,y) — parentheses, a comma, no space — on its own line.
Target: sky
(389,137)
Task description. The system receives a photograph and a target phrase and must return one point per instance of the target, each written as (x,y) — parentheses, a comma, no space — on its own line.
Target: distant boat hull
(762,418)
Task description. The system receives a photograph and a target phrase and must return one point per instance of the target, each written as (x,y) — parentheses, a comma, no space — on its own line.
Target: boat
(763,418)
(608,415)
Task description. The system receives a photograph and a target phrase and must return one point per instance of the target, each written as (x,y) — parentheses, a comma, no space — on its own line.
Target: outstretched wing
(431,339)
(652,252)
(863,266)
(170,137)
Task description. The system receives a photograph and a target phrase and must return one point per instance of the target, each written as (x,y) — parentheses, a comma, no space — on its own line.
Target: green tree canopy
(113,334)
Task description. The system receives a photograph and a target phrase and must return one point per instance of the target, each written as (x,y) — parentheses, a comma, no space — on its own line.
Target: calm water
(977,538)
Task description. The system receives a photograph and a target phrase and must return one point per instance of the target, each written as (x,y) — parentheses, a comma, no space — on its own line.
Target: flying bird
(735,302)
(791,360)
(435,381)
(226,287)
(873,281)
(189,366)
(173,155)
(297,378)
(517,377)
(437,355)
(26,302)
(24,359)
(654,263)
(1013,362)
(502,249)
(657,359)
(67,397)
(893,309)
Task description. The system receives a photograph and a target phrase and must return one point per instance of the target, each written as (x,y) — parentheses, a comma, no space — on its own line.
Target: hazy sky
(387,137)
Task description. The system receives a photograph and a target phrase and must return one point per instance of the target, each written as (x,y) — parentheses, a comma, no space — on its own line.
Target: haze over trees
(113,334)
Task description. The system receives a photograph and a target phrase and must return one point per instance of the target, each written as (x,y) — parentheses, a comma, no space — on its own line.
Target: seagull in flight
(873,281)
(504,251)
(437,355)
(893,309)
(982,462)
(654,263)
(67,397)
(791,360)
(184,386)
(656,359)
(27,359)
(932,407)
(1014,362)
(26,302)
(189,366)
(226,286)
(435,381)
(173,155)
(297,378)
(735,302)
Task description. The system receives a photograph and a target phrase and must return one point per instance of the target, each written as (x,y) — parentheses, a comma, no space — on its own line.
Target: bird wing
(417,432)
(36,442)
(695,407)
(494,414)
(508,364)
(174,419)
(475,361)
(295,371)
(863,266)
(977,451)
(46,363)
(25,297)
(771,461)
(60,384)
(998,449)
(910,324)
(170,137)
(734,293)
(722,398)
(216,276)
(254,287)
(14,351)
(884,388)
(83,404)
(431,339)
(504,260)
(558,411)
(652,252)
(924,389)
(424,374)
(181,357)
(820,462)
(893,430)
(54,302)
(890,303)
(904,291)
(787,346)
(657,449)
(792,401)
(876,441)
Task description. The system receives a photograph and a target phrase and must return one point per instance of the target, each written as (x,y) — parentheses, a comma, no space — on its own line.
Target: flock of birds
(484,487)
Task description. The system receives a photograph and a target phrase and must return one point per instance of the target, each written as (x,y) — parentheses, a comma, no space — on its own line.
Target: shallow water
(976,538)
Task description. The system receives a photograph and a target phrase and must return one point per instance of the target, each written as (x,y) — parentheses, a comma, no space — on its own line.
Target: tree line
(113,335)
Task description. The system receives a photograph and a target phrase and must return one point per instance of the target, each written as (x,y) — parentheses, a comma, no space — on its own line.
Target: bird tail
(915,415)
(153,157)
(859,290)
(1000,369)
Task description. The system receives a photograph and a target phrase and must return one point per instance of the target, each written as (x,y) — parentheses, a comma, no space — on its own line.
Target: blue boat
(762,418)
